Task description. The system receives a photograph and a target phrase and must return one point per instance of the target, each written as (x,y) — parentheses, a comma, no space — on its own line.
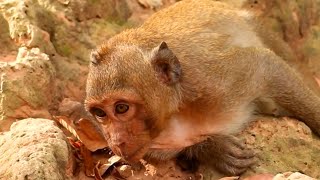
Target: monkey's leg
(226,153)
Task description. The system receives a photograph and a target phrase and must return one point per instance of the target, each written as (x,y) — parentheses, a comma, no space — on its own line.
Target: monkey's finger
(237,142)
(239,163)
(241,154)
(229,170)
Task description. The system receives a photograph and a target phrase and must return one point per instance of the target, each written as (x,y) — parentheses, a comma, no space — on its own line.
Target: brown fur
(203,84)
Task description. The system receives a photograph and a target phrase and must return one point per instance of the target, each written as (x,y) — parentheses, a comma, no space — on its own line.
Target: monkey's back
(197,26)
(199,21)
(206,36)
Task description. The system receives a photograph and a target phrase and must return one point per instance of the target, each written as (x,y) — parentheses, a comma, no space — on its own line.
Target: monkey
(185,82)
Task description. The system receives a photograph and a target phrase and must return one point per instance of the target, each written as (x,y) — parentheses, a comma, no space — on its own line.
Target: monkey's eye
(98,112)
(121,108)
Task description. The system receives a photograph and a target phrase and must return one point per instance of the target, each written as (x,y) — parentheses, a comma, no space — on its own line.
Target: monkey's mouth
(136,155)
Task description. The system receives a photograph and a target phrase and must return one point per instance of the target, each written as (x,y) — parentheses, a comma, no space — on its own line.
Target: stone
(27,87)
(291,175)
(281,145)
(35,149)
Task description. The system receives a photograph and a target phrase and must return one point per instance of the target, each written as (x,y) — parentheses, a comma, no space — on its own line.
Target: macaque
(187,80)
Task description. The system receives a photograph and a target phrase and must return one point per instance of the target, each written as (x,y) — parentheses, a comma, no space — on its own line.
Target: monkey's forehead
(102,81)
(107,53)
(106,78)
(127,94)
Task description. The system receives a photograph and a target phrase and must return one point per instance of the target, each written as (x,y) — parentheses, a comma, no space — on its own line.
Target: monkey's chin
(138,154)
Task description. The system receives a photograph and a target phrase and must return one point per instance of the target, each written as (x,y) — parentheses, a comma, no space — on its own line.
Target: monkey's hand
(226,153)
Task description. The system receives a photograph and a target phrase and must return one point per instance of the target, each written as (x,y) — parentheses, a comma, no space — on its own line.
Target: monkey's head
(132,92)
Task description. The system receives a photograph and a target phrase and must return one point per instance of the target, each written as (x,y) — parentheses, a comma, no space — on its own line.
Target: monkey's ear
(95,57)
(166,64)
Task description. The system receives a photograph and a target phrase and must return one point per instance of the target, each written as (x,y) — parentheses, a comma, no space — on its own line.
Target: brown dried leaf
(97,174)
(103,168)
(74,144)
(111,161)
(90,134)
(67,123)
(86,130)
(115,173)
(88,161)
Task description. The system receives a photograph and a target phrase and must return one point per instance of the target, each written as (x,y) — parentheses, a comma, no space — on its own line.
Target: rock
(27,87)
(283,145)
(7,47)
(108,10)
(290,175)
(34,149)
(142,9)
(22,24)
(280,176)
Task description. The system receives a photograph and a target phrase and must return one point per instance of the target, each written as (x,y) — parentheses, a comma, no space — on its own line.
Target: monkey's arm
(225,152)
(288,90)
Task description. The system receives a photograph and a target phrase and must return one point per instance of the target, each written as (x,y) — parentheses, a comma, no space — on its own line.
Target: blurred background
(44,44)
(45,47)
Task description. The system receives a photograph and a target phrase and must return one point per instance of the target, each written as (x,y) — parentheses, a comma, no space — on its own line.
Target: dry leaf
(67,123)
(74,144)
(115,173)
(97,174)
(88,161)
(111,161)
(86,130)
(90,134)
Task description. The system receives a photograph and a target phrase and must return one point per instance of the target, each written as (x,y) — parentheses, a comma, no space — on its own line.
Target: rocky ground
(44,47)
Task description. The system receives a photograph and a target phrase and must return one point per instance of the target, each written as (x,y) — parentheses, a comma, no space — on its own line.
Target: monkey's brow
(92,101)
(120,97)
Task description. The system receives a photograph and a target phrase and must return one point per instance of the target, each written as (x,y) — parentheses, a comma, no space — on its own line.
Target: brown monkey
(188,79)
